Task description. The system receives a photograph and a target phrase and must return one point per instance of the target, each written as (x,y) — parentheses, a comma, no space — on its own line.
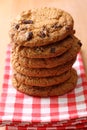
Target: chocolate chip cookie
(48,51)
(52,50)
(40,27)
(55,90)
(43,72)
(48,62)
(42,81)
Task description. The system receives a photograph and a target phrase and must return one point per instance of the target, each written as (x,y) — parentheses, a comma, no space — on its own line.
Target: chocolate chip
(17,26)
(68,28)
(52,50)
(22,29)
(57,26)
(29,36)
(27,22)
(80,43)
(42,34)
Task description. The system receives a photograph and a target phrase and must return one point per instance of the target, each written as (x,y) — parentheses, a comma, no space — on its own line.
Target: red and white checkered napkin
(67,111)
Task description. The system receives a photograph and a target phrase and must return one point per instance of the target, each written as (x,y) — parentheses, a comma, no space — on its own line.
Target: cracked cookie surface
(40,27)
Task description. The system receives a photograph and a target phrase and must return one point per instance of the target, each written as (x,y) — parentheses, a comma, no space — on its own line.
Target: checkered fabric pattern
(22,112)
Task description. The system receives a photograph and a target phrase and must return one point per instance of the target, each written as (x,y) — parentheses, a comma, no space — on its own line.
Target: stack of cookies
(44,49)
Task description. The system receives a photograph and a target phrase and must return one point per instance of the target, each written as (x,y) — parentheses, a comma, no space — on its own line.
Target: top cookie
(40,27)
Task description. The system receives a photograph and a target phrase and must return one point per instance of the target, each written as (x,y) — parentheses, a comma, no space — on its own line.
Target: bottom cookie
(56,90)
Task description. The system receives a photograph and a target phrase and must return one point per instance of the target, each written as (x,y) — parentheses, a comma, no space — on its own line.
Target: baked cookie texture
(43,72)
(42,81)
(55,90)
(47,62)
(47,51)
(44,49)
(40,27)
